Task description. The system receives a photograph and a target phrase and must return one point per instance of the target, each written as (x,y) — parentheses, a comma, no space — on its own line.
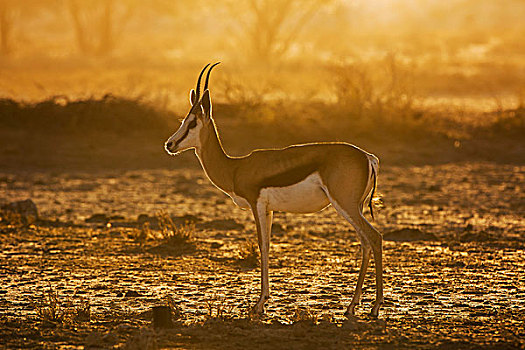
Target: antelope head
(196,124)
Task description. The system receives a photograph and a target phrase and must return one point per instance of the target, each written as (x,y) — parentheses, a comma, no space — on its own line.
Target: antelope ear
(206,103)
(193,97)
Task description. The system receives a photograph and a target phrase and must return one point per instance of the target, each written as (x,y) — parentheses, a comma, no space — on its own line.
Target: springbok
(301,178)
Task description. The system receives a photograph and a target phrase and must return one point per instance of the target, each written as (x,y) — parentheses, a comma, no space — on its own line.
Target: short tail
(374,174)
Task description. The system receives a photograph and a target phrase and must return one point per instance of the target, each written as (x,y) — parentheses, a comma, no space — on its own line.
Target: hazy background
(377,73)
(456,48)
(91,89)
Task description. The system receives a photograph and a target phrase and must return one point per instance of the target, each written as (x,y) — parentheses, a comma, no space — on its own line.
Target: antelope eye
(192,124)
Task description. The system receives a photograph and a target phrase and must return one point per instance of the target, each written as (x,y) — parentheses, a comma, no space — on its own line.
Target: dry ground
(459,284)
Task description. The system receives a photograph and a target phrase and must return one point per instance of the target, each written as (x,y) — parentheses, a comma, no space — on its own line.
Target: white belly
(306,196)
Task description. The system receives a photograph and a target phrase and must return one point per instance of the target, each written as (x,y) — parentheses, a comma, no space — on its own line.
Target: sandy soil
(454,264)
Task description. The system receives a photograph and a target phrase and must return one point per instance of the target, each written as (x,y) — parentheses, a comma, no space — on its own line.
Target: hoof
(350,311)
(375,310)
(257,310)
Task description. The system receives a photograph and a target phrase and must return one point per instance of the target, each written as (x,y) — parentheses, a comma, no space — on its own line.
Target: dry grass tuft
(82,312)
(172,234)
(52,312)
(49,310)
(142,234)
(174,309)
(304,314)
(218,310)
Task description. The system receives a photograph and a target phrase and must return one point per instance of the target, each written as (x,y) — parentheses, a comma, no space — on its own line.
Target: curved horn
(208,76)
(198,89)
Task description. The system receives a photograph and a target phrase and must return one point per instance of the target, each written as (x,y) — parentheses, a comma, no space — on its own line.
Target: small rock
(434,188)
(26,208)
(216,245)
(142,218)
(151,221)
(97,218)
(474,237)
(456,264)
(162,317)
(132,294)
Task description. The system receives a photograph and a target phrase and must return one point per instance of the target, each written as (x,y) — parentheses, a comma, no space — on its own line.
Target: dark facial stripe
(191,125)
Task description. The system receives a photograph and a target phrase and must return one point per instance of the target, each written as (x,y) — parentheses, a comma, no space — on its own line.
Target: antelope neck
(217,165)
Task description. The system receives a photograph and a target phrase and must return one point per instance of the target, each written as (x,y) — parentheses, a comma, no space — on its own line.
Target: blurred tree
(98,24)
(13,12)
(269,28)
(6,26)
